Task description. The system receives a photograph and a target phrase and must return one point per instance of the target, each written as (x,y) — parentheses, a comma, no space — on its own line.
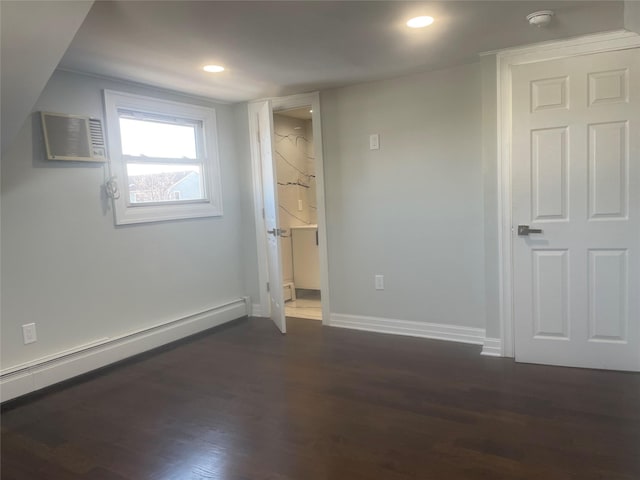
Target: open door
(264,160)
(270,202)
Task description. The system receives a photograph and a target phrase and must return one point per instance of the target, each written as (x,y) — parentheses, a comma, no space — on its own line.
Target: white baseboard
(256,310)
(436,331)
(492,347)
(22,379)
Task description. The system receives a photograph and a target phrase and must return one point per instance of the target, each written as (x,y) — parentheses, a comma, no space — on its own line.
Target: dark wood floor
(245,403)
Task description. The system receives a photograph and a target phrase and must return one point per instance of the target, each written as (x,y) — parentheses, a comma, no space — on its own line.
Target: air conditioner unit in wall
(73,137)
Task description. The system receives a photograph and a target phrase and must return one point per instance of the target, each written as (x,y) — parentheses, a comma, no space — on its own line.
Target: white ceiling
(279,48)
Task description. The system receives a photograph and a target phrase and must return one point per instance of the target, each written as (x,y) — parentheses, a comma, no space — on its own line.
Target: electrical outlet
(29,333)
(379,282)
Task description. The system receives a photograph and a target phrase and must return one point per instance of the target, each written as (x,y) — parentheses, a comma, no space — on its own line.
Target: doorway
(288,185)
(294,162)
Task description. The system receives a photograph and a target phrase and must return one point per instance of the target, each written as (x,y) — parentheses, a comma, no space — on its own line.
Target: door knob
(524,230)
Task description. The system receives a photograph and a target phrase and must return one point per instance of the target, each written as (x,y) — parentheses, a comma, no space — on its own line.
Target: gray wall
(632,15)
(490,180)
(413,210)
(67,268)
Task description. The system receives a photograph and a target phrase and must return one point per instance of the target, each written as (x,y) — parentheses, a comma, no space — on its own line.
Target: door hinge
(263,213)
(268,290)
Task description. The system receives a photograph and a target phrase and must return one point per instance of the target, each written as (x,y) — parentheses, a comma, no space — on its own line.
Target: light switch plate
(374,142)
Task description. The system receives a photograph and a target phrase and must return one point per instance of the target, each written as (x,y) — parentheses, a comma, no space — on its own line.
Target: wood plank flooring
(246,403)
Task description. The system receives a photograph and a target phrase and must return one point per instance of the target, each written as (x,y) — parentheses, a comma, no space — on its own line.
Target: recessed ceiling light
(213,68)
(310,111)
(419,22)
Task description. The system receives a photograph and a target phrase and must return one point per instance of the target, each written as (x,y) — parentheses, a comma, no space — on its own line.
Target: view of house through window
(161,156)
(164,183)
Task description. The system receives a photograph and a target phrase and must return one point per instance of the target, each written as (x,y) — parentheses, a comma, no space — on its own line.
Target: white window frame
(127,213)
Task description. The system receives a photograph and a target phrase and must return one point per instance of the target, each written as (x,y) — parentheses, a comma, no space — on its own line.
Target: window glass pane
(164,183)
(157,139)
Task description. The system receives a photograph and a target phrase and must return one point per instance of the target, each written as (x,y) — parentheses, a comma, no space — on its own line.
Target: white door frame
(286,103)
(505,59)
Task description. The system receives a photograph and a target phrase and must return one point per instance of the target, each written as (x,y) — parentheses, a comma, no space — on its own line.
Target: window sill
(159,213)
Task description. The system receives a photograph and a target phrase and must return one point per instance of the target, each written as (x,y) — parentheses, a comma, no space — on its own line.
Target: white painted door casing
(576,176)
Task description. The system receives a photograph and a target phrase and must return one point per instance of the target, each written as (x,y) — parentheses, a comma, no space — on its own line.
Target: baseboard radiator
(35,375)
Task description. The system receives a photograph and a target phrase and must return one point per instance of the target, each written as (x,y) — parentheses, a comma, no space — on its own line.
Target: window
(164,157)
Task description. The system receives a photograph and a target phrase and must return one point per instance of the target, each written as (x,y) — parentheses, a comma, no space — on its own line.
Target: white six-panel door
(576,177)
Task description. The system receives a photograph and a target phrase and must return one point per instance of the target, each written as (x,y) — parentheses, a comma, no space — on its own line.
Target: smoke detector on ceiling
(541,18)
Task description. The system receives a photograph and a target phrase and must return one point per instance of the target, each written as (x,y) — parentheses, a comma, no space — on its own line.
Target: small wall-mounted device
(73,137)
(541,18)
